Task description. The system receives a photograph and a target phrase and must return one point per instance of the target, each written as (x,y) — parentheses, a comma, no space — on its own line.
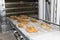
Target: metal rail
(21,7)
(21,2)
(49,22)
(21,12)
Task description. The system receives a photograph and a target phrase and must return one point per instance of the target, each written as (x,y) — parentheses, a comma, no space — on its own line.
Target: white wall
(41,9)
(58,12)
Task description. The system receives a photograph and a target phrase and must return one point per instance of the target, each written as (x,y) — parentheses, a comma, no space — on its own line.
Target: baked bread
(24,16)
(31,29)
(14,17)
(21,25)
(20,19)
(45,26)
(34,20)
(23,21)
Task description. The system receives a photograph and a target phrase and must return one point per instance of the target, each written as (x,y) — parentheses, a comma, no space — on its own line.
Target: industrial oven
(23,19)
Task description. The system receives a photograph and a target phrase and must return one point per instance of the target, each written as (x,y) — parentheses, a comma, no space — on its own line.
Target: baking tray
(30,36)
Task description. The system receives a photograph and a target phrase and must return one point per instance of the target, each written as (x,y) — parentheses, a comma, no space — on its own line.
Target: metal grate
(21,7)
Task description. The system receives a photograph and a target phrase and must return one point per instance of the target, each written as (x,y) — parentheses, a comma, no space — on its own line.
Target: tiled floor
(7,36)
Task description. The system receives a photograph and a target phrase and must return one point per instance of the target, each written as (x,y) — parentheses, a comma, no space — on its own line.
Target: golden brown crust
(21,25)
(24,16)
(34,20)
(14,17)
(45,26)
(22,21)
(31,29)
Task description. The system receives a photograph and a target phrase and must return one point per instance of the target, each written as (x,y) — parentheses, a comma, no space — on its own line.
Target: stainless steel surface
(18,36)
(48,11)
(7,36)
(50,22)
(24,36)
(19,7)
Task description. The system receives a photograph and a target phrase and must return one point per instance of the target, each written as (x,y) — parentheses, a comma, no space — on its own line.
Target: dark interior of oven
(24,7)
